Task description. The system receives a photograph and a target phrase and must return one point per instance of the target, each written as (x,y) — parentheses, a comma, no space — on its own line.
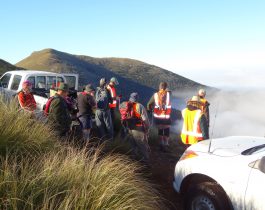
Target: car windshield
(251,150)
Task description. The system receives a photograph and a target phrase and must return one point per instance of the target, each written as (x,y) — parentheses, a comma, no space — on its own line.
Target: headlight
(188,154)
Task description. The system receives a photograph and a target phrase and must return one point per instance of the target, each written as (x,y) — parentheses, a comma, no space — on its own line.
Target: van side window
(15,82)
(41,82)
(71,80)
(4,81)
(32,81)
(51,82)
(59,80)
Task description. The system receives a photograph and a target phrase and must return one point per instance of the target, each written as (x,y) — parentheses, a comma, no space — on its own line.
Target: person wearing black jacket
(86,104)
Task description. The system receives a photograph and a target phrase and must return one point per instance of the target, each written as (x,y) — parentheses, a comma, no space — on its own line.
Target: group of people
(102,103)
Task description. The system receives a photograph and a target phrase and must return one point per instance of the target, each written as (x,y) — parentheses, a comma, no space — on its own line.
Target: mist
(235,112)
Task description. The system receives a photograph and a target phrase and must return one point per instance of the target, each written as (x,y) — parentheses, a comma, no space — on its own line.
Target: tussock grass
(71,179)
(21,133)
(47,176)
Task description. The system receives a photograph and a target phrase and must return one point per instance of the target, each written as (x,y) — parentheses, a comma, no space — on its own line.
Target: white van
(42,82)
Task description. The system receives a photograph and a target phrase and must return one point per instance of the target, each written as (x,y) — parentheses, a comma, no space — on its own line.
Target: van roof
(26,72)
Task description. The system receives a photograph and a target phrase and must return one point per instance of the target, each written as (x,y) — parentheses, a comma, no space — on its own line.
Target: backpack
(47,106)
(126,111)
(102,99)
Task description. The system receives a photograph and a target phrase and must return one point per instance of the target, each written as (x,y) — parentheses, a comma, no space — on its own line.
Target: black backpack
(102,98)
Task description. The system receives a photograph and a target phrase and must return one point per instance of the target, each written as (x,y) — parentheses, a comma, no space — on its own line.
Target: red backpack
(126,110)
(47,106)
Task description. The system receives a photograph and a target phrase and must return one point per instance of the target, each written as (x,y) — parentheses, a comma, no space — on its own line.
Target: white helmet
(202,93)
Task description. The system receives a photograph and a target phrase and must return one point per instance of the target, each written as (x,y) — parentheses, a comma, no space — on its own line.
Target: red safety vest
(162,107)
(191,130)
(113,95)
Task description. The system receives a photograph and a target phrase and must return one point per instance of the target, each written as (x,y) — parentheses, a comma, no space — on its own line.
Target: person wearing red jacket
(25,97)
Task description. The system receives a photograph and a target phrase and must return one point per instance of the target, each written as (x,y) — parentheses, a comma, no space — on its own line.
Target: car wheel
(206,196)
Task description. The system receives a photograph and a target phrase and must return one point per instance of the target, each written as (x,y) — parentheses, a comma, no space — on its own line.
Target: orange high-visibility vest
(191,131)
(203,106)
(113,95)
(137,115)
(162,111)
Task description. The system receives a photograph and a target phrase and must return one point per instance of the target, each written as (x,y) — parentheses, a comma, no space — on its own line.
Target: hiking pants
(140,144)
(104,123)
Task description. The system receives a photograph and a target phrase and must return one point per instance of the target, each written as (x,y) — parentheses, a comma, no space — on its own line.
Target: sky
(218,43)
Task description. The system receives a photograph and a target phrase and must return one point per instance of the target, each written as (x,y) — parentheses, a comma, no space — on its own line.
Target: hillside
(5,66)
(133,75)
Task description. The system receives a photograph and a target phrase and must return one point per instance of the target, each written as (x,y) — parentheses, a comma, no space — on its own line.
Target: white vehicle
(11,83)
(223,174)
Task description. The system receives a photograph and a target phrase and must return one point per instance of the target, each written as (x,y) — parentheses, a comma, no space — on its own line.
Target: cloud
(231,112)
(237,113)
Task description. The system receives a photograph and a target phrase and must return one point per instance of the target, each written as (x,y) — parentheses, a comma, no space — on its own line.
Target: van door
(71,80)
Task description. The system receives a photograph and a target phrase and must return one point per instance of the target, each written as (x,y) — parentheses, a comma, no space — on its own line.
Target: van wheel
(206,196)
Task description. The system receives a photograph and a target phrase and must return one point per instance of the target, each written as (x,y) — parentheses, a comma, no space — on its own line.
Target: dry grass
(46,176)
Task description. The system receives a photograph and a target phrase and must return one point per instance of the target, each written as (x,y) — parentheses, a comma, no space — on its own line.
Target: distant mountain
(133,75)
(5,66)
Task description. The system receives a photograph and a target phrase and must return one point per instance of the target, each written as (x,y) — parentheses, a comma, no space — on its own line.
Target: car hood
(228,146)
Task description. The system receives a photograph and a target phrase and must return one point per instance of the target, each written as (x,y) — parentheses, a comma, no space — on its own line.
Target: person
(58,112)
(86,104)
(194,127)
(134,118)
(205,105)
(112,89)
(161,105)
(25,97)
(102,115)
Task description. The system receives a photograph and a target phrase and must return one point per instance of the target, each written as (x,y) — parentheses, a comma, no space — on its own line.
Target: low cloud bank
(233,112)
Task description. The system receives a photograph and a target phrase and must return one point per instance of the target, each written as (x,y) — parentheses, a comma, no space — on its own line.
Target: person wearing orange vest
(111,87)
(161,105)
(137,125)
(205,105)
(194,123)
(25,97)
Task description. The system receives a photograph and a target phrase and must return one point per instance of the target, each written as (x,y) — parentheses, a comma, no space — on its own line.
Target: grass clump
(19,132)
(36,172)
(71,179)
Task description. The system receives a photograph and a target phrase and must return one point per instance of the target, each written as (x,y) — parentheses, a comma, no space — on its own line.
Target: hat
(195,101)
(102,82)
(89,88)
(63,86)
(114,80)
(133,97)
(26,83)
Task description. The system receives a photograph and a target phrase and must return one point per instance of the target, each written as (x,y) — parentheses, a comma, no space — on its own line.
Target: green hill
(133,75)
(5,66)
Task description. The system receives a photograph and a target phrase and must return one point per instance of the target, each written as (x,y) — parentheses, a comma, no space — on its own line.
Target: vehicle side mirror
(261,165)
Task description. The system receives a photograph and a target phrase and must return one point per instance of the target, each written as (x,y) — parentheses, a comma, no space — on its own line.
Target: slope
(5,66)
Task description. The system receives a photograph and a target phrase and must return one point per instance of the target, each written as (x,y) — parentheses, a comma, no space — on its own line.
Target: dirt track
(162,173)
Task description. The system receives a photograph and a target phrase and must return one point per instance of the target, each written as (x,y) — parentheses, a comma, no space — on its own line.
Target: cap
(63,86)
(102,82)
(89,88)
(202,92)
(133,97)
(114,80)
